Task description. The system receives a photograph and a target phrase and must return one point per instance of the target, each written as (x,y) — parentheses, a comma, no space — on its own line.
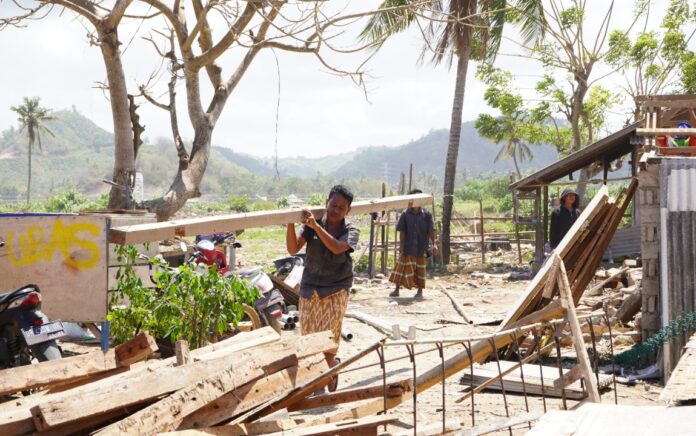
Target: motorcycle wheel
(47,351)
(250,314)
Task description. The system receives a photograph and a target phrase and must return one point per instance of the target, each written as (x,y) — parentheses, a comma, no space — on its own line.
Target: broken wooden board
(532,379)
(593,419)
(75,367)
(396,331)
(681,385)
(65,255)
(223,223)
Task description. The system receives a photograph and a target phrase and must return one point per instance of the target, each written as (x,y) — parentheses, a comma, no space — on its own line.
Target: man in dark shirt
(563,217)
(415,228)
(328,271)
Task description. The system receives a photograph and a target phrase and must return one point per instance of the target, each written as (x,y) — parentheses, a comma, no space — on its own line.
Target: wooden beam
(75,367)
(152,384)
(458,307)
(140,233)
(666,131)
(255,393)
(576,335)
(394,389)
(568,378)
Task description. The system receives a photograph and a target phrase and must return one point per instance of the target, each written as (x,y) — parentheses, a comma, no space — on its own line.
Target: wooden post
(386,243)
(483,237)
(545,205)
(183,356)
(410,177)
(576,332)
(383,233)
(371,247)
(539,243)
(516,218)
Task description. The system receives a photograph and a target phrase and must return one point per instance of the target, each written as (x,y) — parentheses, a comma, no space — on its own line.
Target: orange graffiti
(35,246)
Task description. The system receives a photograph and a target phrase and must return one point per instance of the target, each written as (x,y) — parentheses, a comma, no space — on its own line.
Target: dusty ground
(487,298)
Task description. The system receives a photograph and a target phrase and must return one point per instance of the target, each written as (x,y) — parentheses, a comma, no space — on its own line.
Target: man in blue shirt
(416,228)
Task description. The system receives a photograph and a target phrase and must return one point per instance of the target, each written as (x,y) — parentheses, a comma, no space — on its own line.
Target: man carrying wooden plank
(416,228)
(328,272)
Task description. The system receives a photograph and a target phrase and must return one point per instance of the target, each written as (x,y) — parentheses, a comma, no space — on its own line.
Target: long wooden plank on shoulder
(140,233)
(19,420)
(69,368)
(562,249)
(153,384)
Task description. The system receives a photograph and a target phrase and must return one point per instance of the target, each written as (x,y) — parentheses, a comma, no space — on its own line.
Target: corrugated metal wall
(678,248)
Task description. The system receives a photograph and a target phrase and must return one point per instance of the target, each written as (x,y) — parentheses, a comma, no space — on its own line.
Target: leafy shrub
(283,203)
(67,201)
(318,199)
(239,203)
(264,205)
(185,304)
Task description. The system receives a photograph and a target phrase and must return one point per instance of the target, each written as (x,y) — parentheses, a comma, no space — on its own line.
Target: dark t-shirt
(417,227)
(325,272)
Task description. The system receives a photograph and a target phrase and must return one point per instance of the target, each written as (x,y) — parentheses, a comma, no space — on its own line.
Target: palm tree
(518,151)
(461,29)
(31,117)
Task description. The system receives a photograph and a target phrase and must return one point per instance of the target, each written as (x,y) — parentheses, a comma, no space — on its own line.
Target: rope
(676,329)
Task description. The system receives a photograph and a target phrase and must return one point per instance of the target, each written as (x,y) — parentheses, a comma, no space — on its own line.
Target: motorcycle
(26,334)
(270,306)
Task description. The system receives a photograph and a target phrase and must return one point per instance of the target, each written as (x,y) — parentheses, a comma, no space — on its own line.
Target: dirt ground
(487,297)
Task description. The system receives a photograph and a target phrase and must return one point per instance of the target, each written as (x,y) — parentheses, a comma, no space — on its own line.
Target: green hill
(81,155)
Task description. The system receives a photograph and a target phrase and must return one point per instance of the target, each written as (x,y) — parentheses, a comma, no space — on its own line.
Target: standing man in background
(416,228)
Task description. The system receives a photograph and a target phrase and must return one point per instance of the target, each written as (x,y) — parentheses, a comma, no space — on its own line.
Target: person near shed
(328,268)
(416,228)
(564,216)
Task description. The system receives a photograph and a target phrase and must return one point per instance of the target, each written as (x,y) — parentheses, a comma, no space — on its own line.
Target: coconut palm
(455,29)
(31,118)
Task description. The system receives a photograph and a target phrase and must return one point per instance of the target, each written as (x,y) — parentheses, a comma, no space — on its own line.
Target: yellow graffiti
(35,246)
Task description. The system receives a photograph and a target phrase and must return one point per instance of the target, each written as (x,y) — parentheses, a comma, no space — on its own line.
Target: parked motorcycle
(271,305)
(26,334)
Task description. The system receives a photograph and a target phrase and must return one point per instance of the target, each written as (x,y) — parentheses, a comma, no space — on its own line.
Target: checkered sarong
(321,314)
(409,272)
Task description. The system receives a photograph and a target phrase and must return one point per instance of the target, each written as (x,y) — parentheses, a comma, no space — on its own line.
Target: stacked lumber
(531,374)
(238,380)
(581,251)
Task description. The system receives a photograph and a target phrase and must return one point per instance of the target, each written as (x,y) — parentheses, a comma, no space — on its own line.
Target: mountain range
(80,155)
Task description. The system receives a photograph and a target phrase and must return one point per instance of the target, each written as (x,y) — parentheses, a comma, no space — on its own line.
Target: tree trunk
(187,180)
(576,114)
(124,153)
(517,166)
(29,175)
(453,145)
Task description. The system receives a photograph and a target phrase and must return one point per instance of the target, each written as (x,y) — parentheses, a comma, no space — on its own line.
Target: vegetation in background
(32,118)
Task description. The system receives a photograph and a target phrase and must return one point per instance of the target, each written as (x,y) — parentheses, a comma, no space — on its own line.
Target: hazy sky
(319,113)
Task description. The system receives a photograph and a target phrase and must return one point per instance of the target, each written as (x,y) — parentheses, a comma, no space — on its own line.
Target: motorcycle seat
(4,298)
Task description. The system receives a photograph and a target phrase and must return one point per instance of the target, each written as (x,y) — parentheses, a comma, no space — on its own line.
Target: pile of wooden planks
(241,378)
